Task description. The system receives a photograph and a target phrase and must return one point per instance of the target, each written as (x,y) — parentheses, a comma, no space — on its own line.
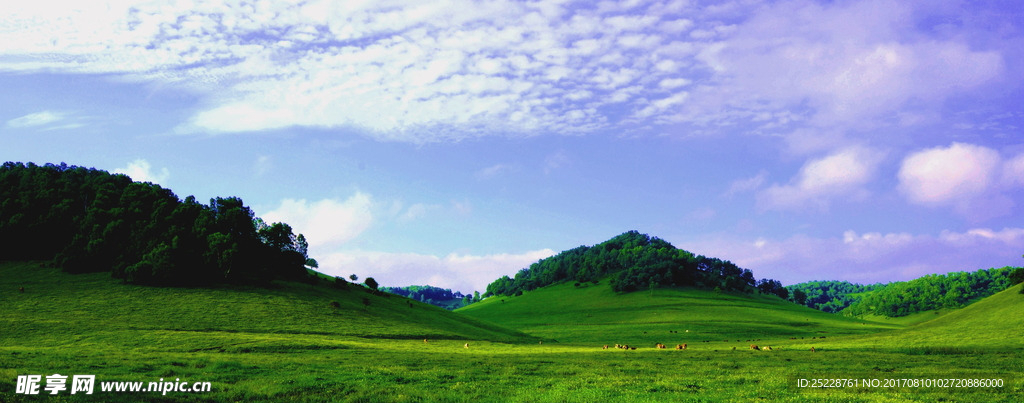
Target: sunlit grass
(279,345)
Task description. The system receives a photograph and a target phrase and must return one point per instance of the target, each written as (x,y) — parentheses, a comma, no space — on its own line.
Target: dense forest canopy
(933,291)
(635,261)
(829,296)
(88,220)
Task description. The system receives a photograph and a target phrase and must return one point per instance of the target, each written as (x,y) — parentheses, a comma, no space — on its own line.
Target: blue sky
(452,142)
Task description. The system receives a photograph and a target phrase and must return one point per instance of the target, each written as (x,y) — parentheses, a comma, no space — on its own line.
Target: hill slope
(993,322)
(58,308)
(596,314)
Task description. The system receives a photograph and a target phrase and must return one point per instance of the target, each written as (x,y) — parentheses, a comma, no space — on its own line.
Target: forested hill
(635,261)
(934,291)
(901,298)
(88,220)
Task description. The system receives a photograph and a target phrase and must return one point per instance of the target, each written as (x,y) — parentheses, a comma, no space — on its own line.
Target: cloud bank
(456,69)
(458,272)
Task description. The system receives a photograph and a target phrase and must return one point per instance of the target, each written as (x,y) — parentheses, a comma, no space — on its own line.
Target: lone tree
(370,282)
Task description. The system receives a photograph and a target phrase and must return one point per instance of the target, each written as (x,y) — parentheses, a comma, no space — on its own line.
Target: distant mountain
(631,262)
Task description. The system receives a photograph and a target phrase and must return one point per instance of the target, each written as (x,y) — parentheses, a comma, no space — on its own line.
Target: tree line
(635,261)
(901,298)
(828,296)
(88,220)
(933,291)
(441,297)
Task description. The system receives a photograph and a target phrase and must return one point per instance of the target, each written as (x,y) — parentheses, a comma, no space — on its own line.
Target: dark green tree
(371,283)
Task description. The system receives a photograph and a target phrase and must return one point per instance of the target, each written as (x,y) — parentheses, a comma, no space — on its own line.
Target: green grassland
(596,314)
(288,343)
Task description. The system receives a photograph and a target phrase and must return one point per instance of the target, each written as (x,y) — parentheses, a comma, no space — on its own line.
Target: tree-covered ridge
(441,297)
(88,220)
(828,296)
(933,291)
(634,261)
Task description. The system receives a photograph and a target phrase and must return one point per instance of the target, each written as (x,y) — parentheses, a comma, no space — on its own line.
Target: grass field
(289,344)
(596,314)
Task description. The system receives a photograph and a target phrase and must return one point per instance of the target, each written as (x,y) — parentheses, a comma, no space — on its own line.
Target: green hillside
(58,309)
(991,323)
(596,314)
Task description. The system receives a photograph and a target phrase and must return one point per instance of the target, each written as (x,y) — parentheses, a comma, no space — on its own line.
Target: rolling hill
(992,323)
(593,313)
(57,308)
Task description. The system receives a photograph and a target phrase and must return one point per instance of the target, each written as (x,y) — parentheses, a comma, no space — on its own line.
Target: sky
(452,142)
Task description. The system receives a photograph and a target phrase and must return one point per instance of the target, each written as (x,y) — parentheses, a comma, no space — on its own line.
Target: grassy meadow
(288,343)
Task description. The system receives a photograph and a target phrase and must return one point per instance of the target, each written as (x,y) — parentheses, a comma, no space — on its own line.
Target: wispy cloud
(35,119)
(747,184)
(494,170)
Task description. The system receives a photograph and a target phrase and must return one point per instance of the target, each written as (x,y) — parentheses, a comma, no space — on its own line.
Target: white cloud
(141,171)
(458,272)
(35,119)
(841,174)
(327,222)
(969,178)
(869,257)
(1013,172)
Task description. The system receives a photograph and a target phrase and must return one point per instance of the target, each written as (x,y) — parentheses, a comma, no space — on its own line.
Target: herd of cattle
(661,346)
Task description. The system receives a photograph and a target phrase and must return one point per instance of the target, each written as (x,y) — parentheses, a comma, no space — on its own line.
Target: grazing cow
(632,348)
(424,340)
(754,347)
(21,290)
(812,349)
(466,345)
(605,347)
(659,345)
(766,348)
